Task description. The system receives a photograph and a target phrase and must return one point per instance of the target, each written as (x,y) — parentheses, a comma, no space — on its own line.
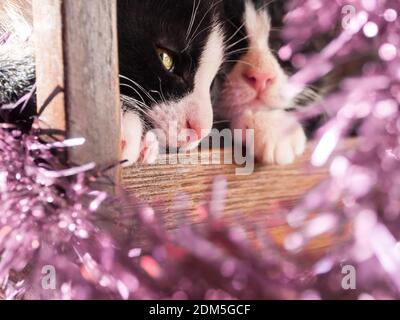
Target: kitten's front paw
(146,151)
(138,147)
(150,148)
(131,131)
(278,136)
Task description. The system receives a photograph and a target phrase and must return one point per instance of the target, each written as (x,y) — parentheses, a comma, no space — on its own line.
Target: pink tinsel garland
(50,213)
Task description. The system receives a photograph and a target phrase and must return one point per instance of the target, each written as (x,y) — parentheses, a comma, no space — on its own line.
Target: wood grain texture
(251,200)
(77,50)
(259,191)
(49,60)
(92,86)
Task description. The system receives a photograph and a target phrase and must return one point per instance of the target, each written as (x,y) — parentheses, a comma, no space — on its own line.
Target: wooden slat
(50,60)
(260,191)
(251,200)
(77,50)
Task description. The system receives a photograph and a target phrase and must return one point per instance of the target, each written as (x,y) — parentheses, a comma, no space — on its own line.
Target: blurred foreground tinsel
(49,222)
(49,212)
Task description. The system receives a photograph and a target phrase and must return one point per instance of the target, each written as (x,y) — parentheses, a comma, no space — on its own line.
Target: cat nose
(190,133)
(196,129)
(257,79)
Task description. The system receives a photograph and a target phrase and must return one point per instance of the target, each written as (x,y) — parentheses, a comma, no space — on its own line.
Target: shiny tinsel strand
(363,188)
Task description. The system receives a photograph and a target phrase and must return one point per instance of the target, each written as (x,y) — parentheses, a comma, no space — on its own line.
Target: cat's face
(252,77)
(170,52)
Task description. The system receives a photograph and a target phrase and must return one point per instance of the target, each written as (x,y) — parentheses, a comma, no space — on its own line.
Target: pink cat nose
(196,129)
(258,80)
(190,133)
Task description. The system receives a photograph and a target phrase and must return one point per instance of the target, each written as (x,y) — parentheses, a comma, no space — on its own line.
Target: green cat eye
(166,59)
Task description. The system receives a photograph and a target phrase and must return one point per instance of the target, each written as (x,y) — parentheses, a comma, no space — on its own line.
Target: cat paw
(278,136)
(131,132)
(150,148)
(145,151)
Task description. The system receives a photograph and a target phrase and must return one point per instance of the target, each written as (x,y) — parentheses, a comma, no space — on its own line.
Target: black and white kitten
(167,65)
(252,84)
(170,51)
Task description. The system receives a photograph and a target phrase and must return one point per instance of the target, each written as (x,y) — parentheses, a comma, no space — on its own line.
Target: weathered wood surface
(258,192)
(250,200)
(77,51)
(50,61)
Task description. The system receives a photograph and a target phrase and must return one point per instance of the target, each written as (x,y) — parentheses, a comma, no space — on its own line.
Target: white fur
(195,108)
(136,147)
(258,26)
(16,17)
(132,131)
(150,148)
(278,137)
